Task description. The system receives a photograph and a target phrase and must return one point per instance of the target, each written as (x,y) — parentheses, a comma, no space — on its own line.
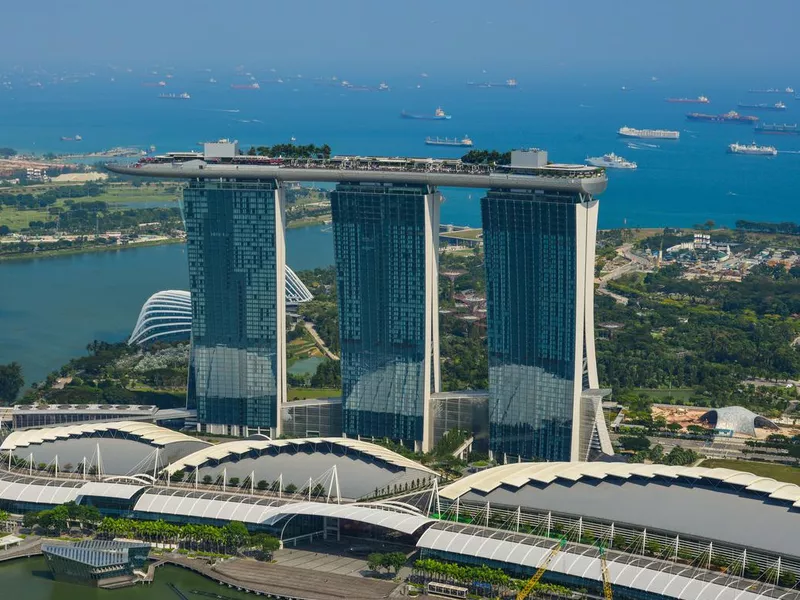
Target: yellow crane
(607,592)
(523,594)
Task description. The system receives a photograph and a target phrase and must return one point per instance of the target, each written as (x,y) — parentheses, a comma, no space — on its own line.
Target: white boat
(611,161)
(648,133)
(754,149)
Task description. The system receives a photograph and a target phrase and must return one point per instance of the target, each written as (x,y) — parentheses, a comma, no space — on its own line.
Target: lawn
(660,396)
(786,473)
(114,194)
(304,393)
(18,219)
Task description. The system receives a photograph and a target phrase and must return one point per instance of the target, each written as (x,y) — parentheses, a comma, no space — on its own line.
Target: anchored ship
(776,129)
(508,83)
(698,100)
(788,90)
(664,134)
(611,161)
(764,106)
(439,115)
(728,117)
(76,138)
(183,96)
(437,141)
(753,148)
(245,86)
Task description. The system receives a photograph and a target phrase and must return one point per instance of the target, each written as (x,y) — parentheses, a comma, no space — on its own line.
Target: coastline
(89,250)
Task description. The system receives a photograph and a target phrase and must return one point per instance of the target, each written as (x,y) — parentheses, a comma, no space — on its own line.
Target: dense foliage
(489,157)
(706,335)
(388,561)
(291,151)
(11,382)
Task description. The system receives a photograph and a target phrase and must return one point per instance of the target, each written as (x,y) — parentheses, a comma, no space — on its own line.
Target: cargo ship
(76,138)
(437,141)
(788,90)
(776,129)
(698,100)
(611,161)
(183,96)
(728,117)
(764,106)
(245,86)
(753,149)
(663,134)
(439,115)
(155,84)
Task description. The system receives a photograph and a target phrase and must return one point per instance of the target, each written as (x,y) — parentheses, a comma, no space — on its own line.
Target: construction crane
(523,594)
(607,592)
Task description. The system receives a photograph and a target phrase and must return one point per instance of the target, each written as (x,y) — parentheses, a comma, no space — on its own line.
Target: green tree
(11,382)
(374,561)
(235,534)
(635,443)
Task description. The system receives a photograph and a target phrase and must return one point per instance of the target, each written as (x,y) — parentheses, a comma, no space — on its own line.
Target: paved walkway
(285,581)
(310,328)
(31,546)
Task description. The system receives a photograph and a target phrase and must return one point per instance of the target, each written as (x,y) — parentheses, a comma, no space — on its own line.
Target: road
(310,328)
(635,263)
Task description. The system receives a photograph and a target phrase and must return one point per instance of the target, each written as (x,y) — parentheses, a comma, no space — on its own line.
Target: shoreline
(89,250)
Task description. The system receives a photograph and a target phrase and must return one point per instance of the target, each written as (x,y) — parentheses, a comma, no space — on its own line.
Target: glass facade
(465,411)
(235,247)
(312,418)
(386,251)
(534,306)
(92,561)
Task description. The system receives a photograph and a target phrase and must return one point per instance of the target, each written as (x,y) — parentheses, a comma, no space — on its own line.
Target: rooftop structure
(362,468)
(95,562)
(736,420)
(167,315)
(26,416)
(655,497)
(116,448)
(529,169)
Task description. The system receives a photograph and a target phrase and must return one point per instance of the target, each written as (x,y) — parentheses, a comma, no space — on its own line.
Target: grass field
(786,473)
(117,195)
(304,393)
(659,396)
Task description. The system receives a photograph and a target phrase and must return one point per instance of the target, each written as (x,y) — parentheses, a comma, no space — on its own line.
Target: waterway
(29,579)
(51,308)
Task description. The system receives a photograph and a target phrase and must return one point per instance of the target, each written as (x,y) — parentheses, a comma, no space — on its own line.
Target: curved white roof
(169,312)
(518,475)
(226,449)
(737,419)
(155,435)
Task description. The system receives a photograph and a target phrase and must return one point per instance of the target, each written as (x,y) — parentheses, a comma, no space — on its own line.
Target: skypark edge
(529,169)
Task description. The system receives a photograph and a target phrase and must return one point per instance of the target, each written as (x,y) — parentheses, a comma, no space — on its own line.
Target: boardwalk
(286,582)
(29,547)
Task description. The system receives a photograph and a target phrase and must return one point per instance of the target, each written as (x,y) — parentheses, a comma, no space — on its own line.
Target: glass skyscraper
(235,247)
(386,251)
(539,250)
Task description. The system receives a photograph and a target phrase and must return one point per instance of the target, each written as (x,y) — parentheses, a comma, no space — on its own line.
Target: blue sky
(399,36)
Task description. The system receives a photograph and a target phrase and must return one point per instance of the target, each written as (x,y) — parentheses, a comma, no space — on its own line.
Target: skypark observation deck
(524,173)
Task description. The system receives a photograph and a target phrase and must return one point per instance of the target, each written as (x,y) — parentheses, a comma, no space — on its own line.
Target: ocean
(51,308)
(678,183)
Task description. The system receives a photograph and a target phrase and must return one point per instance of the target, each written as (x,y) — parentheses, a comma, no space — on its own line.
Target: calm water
(50,308)
(29,579)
